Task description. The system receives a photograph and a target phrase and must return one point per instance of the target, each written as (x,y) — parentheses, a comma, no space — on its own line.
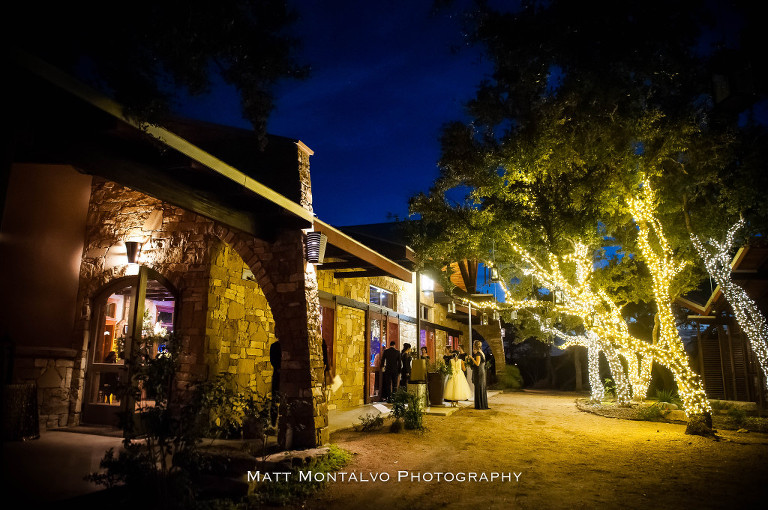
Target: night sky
(385,77)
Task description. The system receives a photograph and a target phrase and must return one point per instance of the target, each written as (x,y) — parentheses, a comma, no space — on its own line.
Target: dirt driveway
(551,456)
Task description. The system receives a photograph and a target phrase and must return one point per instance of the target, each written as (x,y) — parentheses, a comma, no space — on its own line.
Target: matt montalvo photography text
(400,476)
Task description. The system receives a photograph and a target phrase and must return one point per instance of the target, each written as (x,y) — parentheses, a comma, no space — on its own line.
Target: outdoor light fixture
(316,242)
(427,284)
(132,251)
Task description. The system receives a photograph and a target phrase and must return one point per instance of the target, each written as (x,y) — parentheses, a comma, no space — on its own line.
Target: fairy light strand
(751,321)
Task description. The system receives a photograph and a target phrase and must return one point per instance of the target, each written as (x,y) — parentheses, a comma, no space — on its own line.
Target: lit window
(382,297)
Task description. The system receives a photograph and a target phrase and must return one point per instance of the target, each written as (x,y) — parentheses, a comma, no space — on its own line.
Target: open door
(381,331)
(125,314)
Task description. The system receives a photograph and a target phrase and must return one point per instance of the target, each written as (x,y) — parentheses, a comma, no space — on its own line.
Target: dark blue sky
(385,77)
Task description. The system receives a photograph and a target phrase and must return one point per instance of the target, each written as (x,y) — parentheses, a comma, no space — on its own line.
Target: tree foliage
(583,102)
(143,52)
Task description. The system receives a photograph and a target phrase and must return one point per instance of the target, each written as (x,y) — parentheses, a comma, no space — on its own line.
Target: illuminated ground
(565,458)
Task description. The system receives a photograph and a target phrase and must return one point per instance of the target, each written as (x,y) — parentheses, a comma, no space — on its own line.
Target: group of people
(396,367)
(456,385)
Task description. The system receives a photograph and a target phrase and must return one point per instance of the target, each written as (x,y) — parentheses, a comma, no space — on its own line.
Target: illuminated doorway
(129,314)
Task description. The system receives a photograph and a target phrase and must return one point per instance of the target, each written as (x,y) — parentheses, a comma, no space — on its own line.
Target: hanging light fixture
(316,243)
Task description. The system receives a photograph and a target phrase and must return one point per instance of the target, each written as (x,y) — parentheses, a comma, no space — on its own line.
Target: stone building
(114,233)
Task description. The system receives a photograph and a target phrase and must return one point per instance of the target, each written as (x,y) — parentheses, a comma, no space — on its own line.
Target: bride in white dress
(456,386)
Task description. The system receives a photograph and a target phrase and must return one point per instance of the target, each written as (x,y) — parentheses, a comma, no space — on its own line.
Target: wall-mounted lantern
(427,283)
(132,251)
(316,243)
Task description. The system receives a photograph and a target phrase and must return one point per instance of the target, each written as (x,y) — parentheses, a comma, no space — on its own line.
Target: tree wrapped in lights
(593,344)
(601,315)
(663,267)
(751,321)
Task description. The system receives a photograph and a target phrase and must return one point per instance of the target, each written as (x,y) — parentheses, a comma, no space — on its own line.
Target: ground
(565,458)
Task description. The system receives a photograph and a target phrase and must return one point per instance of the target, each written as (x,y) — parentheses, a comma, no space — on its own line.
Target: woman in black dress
(478,375)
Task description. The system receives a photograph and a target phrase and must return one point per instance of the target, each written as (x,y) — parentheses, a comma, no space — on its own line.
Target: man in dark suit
(390,364)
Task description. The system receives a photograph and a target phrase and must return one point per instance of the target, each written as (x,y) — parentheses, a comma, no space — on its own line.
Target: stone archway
(290,285)
(492,334)
(179,242)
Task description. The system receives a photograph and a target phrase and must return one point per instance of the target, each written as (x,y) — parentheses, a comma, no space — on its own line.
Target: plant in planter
(437,371)
(407,407)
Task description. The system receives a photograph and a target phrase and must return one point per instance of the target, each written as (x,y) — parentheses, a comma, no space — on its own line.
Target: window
(426,313)
(382,297)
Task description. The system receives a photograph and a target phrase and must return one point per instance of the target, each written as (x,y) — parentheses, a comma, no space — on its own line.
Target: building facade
(115,235)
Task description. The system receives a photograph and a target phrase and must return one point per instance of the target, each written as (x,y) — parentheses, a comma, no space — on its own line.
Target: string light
(751,321)
(664,269)
(593,345)
(600,314)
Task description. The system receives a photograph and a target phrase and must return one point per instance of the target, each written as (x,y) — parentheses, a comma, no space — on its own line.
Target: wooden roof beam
(357,249)
(107,105)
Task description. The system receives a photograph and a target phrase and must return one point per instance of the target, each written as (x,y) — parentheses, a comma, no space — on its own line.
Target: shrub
(650,413)
(160,469)
(439,366)
(719,405)
(737,416)
(669,396)
(610,387)
(292,490)
(233,412)
(407,406)
(510,379)
(370,422)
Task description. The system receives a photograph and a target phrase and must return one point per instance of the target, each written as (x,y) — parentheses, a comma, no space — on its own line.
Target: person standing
(276,359)
(478,375)
(405,361)
(390,364)
(456,387)
(447,355)
(425,354)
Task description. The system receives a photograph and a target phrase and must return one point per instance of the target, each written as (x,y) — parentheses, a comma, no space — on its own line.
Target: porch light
(427,284)
(132,251)
(316,242)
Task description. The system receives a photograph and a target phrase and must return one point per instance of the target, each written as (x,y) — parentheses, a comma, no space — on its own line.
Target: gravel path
(550,455)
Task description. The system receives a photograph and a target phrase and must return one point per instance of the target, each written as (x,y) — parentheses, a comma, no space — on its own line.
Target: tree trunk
(577,367)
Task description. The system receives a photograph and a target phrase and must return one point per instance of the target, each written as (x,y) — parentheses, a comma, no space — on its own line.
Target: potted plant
(436,374)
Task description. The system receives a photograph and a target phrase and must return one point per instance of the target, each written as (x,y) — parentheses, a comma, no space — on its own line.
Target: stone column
(492,334)
(290,285)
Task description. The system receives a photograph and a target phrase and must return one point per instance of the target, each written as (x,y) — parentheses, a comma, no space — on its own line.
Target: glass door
(377,342)
(129,314)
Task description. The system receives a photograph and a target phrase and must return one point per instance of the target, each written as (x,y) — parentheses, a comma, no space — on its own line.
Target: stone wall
(492,334)
(240,326)
(51,371)
(175,243)
(349,357)
(350,328)
(179,245)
